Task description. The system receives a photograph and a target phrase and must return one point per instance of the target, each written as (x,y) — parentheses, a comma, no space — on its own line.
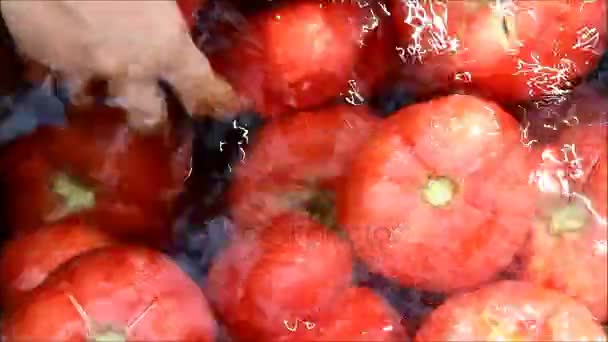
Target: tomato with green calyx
(511,311)
(114,294)
(267,282)
(297,163)
(567,248)
(26,261)
(438,199)
(100,170)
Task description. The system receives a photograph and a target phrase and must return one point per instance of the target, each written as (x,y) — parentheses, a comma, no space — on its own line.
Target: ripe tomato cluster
(409,150)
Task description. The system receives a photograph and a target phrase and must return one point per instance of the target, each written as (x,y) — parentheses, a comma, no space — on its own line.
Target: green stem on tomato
(76,196)
(570,218)
(439,191)
(498,329)
(321,207)
(318,203)
(109,336)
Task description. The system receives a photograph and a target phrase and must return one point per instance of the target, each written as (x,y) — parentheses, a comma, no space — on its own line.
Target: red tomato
(511,311)
(296,163)
(587,104)
(25,174)
(377,56)
(26,261)
(98,169)
(567,249)
(358,315)
(509,50)
(438,198)
(263,284)
(114,293)
(295,57)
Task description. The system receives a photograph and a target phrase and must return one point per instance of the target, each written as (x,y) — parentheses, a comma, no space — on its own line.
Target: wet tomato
(100,170)
(26,261)
(509,50)
(586,104)
(376,56)
(265,283)
(294,57)
(567,249)
(114,293)
(511,311)
(358,315)
(26,170)
(296,163)
(439,198)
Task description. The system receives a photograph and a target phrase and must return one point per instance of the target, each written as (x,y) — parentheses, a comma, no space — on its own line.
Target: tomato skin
(586,105)
(26,261)
(471,144)
(266,282)
(534,313)
(573,262)
(295,57)
(134,290)
(359,315)
(376,56)
(479,55)
(134,178)
(25,173)
(309,151)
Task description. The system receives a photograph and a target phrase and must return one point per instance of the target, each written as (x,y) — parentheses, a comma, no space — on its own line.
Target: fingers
(219,100)
(201,90)
(143,100)
(77,89)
